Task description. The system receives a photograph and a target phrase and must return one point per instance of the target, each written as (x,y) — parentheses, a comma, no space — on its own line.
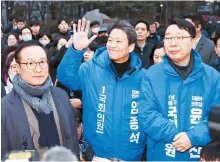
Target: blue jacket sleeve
(200,134)
(152,121)
(68,70)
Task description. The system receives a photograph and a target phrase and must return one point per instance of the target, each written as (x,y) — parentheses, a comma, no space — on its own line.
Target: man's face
(118,47)
(153,28)
(63,26)
(178,45)
(33,76)
(35,29)
(217,48)
(95,29)
(141,30)
(20,25)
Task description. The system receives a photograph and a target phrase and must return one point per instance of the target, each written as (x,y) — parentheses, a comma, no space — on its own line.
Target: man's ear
(131,47)
(18,68)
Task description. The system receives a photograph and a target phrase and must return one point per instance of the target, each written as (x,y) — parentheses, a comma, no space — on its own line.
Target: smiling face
(11,40)
(38,75)
(118,47)
(178,51)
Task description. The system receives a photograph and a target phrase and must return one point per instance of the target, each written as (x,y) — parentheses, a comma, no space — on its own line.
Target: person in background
(210,152)
(53,54)
(12,39)
(7,51)
(10,70)
(217,50)
(154,37)
(45,39)
(20,24)
(10,26)
(143,48)
(59,153)
(158,53)
(88,55)
(35,28)
(94,27)
(102,37)
(204,46)
(63,30)
(26,34)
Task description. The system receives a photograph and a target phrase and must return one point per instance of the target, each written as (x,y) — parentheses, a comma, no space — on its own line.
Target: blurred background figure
(10,69)
(88,55)
(217,50)
(45,40)
(158,53)
(53,54)
(12,39)
(35,28)
(59,153)
(210,152)
(95,27)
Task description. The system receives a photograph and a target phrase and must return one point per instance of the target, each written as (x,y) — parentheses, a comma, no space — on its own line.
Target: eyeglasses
(32,65)
(178,39)
(13,68)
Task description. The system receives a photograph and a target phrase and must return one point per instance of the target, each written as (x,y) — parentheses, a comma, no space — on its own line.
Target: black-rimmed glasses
(32,64)
(178,39)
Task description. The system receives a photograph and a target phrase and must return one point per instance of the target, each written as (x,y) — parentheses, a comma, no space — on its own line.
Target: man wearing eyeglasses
(35,115)
(176,99)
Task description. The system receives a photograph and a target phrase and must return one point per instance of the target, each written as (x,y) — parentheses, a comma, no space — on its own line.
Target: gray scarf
(38,97)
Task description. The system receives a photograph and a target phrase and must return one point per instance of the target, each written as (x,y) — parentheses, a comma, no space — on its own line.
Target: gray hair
(59,153)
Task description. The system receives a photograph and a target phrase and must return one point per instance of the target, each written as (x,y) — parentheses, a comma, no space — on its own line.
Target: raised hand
(80,37)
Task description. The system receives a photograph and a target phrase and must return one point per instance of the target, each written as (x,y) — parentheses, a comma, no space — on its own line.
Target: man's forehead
(140,25)
(117,33)
(174,29)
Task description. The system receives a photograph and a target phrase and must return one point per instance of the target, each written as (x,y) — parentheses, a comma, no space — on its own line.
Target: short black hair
(144,22)
(216,39)
(20,20)
(211,152)
(93,46)
(43,32)
(62,19)
(94,23)
(184,24)
(24,45)
(127,28)
(34,22)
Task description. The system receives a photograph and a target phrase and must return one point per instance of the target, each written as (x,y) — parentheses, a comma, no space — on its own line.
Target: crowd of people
(123,93)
